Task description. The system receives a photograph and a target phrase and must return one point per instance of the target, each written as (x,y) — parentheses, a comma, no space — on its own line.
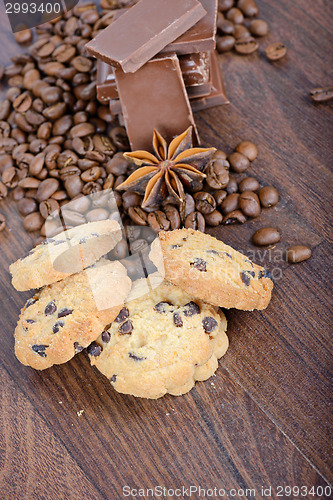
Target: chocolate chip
(94,349)
(174,246)
(126,328)
(106,336)
(123,314)
(50,308)
(161,307)
(78,347)
(209,324)
(40,349)
(113,378)
(57,326)
(47,241)
(59,242)
(177,319)
(265,274)
(228,255)
(246,277)
(83,240)
(30,302)
(64,312)
(136,358)
(31,321)
(199,264)
(191,308)
(213,252)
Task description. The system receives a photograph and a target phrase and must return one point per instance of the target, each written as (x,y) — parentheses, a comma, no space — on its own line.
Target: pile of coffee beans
(237,30)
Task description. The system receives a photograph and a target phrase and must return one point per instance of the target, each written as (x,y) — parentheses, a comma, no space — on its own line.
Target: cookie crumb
(79,413)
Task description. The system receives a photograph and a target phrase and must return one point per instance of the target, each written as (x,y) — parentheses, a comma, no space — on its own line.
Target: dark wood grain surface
(264,420)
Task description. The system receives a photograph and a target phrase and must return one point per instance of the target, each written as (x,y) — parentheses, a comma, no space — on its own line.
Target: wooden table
(264,419)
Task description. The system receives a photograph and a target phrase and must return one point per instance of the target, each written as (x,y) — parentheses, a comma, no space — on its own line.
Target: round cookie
(67,316)
(161,343)
(212,271)
(65,254)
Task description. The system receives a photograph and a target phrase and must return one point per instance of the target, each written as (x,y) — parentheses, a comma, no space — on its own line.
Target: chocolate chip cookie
(67,316)
(66,253)
(159,343)
(212,271)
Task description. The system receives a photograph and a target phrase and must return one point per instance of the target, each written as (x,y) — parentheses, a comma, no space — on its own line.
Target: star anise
(172,170)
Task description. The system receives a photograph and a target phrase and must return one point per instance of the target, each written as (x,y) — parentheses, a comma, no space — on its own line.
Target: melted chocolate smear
(135,357)
(199,264)
(50,308)
(246,277)
(40,349)
(209,324)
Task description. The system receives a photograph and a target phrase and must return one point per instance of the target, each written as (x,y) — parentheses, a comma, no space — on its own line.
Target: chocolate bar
(154,97)
(201,37)
(196,73)
(106,86)
(145,29)
(217,95)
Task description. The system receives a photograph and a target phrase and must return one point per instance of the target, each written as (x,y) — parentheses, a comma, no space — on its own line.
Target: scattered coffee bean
(248,184)
(249,204)
(276,51)
(268,196)
(248,149)
(225,5)
(214,218)
(238,162)
(23,37)
(204,202)
(322,94)
(266,236)
(230,203)
(195,220)
(234,217)
(258,27)
(33,222)
(298,253)
(246,46)
(225,43)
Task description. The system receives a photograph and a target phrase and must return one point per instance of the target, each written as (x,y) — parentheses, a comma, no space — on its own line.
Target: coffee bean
(217,172)
(173,216)
(249,204)
(33,222)
(204,202)
(230,203)
(214,218)
(268,196)
(46,189)
(235,15)
(219,196)
(298,253)
(248,149)
(52,68)
(241,31)
(81,130)
(227,27)
(91,174)
(82,64)
(51,95)
(72,218)
(158,221)
(248,7)
(97,214)
(276,51)
(55,111)
(322,94)
(246,46)
(189,205)
(238,162)
(138,215)
(5,162)
(49,207)
(225,43)
(196,221)
(258,27)
(23,102)
(130,199)
(225,5)
(10,177)
(234,217)
(138,246)
(4,109)
(26,206)
(29,183)
(119,138)
(3,191)
(23,37)
(2,222)
(266,236)
(17,194)
(248,184)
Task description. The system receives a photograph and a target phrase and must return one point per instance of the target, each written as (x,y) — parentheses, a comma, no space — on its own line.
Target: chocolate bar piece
(154,97)
(217,95)
(145,29)
(201,37)
(106,86)
(196,73)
